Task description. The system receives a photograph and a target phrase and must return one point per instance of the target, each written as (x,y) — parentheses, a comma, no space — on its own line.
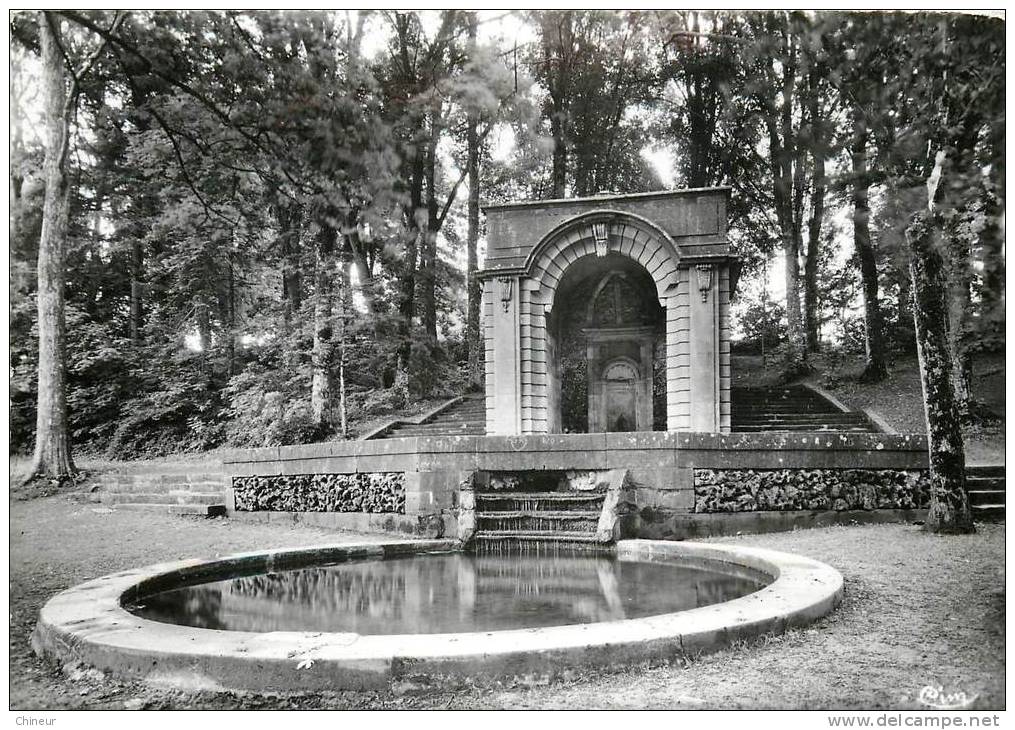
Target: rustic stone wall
(750,490)
(361,492)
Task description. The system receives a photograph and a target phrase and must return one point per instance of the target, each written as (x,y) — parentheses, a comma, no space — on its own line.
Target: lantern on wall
(704,272)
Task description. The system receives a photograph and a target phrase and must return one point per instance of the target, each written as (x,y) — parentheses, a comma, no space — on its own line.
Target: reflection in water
(452,592)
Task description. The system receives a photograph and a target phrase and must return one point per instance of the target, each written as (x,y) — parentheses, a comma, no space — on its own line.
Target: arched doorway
(606,349)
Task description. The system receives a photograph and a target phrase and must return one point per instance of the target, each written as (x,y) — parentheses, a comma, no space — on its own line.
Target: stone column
(678,355)
(704,305)
(505,418)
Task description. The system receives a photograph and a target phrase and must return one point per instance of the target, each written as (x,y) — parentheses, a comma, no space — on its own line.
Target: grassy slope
(899,398)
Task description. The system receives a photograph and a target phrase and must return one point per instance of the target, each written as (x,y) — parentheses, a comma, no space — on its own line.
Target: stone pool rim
(88,623)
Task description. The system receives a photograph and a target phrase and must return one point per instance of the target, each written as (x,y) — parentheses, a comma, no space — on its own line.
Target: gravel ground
(919,610)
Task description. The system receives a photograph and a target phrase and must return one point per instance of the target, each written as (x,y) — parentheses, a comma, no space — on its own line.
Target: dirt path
(919,610)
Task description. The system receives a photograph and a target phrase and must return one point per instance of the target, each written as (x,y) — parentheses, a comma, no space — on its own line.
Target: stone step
(415,431)
(447,426)
(991,483)
(179,497)
(777,425)
(467,409)
(986,496)
(988,512)
(985,471)
(550,514)
(542,496)
(736,408)
(197,510)
(494,523)
(156,478)
(804,417)
(801,428)
(142,487)
(782,403)
(822,407)
(534,536)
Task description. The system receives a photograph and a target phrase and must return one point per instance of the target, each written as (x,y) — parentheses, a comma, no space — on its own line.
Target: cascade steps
(538,515)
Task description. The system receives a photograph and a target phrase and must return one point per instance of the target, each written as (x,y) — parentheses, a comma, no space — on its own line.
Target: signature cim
(935,696)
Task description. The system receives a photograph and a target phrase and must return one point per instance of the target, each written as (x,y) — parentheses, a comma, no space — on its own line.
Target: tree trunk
(960,304)
(818,154)
(473,339)
(365,281)
(230,318)
(202,316)
(811,301)
(876,368)
(290,224)
(343,314)
(52,457)
(557,38)
(321,356)
(428,254)
(949,502)
(559,180)
(136,291)
(794,316)
(407,275)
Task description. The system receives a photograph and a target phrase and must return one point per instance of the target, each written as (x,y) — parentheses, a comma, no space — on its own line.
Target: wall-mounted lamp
(704,272)
(506,287)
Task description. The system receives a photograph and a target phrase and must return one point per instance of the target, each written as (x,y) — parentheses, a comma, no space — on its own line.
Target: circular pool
(361,616)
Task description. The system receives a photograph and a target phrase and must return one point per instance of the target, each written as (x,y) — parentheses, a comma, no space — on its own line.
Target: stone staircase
(985,485)
(190,493)
(791,408)
(463,417)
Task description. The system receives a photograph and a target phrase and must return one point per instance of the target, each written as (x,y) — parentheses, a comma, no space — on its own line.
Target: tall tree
(949,501)
(820,133)
(947,102)
(780,64)
(52,456)
(876,367)
(473,337)
(595,70)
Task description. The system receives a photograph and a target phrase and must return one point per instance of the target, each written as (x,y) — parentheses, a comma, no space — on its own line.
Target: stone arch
(618,365)
(598,233)
(595,234)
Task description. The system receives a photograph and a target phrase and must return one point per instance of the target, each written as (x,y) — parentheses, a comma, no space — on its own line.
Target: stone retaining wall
(747,490)
(661,466)
(383,492)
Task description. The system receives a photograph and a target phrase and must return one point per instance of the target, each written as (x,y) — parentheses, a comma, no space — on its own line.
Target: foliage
(761,325)
(268,214)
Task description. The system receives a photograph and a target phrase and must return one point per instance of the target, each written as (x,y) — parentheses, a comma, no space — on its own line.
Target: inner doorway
(605,349)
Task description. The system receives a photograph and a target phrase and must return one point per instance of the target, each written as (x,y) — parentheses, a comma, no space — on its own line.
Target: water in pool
(450,593)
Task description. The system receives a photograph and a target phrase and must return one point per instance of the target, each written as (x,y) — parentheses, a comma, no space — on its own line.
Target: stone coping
(602,197)
(586,442)
(88,623)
